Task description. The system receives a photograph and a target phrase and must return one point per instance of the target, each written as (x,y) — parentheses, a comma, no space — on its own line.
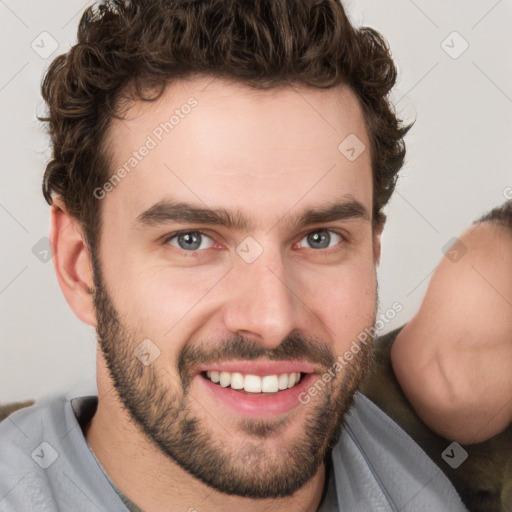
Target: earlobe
(72,262)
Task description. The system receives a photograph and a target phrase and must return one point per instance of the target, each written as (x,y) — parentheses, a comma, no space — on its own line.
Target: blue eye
(190,240)
(195,241)
(322,238)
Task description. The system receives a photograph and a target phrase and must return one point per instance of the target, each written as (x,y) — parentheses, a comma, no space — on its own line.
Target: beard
(161,405)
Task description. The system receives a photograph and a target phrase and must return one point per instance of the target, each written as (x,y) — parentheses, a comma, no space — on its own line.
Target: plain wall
(458,167)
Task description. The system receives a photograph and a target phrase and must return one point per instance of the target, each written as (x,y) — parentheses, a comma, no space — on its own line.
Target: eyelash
(195,253)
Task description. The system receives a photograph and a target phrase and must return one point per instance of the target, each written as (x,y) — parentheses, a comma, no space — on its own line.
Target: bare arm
(453,360)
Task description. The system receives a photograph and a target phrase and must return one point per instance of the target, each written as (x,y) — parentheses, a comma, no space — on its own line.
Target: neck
(152,480)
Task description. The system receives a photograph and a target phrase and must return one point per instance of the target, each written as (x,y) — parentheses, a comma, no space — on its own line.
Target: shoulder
(376,462)
(27,440)
(45,462)
(9,408)
(22,420)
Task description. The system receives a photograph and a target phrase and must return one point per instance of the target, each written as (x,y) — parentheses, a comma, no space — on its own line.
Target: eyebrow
(167,211)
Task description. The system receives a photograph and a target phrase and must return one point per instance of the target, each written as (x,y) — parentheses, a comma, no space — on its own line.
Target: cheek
(158,299)
(348,306)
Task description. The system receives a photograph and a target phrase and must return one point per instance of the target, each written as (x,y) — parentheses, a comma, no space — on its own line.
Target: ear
(72,262)
(377,232)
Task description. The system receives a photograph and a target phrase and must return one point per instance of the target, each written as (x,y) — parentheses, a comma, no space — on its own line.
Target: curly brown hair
(139,44)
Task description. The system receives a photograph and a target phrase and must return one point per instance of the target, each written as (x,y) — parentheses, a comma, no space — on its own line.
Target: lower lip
(258,405)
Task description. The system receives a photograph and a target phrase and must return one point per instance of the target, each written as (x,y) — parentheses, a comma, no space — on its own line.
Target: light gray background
(458,167)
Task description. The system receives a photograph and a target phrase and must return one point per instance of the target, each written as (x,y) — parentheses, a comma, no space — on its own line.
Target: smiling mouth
(254,384)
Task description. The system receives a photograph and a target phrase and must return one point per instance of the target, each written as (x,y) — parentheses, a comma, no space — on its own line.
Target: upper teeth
(254,383)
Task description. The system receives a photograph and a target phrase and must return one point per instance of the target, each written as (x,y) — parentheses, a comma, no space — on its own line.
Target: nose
(262,304)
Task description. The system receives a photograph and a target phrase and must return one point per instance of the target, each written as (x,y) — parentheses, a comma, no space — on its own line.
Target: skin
(269,154)
(453,358)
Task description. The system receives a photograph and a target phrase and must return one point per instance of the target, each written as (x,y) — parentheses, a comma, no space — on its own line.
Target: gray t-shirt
(46,465)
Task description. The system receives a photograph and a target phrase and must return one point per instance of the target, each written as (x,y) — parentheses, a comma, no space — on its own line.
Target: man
(217,183)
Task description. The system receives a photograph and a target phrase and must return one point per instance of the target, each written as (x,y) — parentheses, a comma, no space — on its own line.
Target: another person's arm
(453,360)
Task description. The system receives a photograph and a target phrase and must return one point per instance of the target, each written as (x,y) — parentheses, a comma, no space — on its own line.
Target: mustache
(293,347)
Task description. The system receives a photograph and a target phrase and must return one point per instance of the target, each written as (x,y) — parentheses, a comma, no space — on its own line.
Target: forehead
(223,144)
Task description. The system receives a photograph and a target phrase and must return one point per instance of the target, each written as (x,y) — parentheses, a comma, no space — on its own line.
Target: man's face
(273,297)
